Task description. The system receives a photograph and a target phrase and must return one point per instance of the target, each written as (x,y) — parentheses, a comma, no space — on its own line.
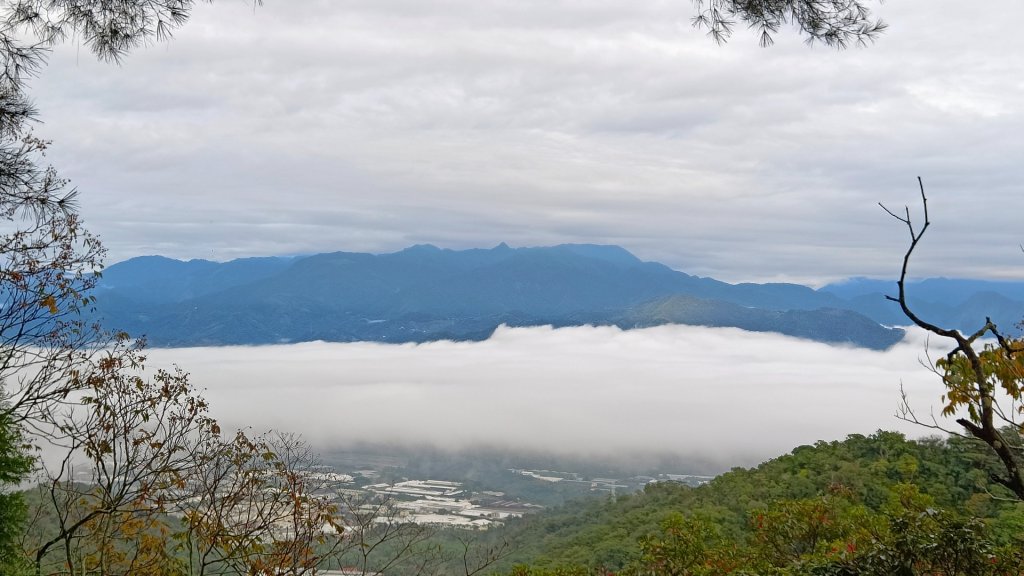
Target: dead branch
(982,421)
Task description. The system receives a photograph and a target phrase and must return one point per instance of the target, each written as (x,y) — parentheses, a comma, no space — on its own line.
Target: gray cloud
(314,126)
(720,395)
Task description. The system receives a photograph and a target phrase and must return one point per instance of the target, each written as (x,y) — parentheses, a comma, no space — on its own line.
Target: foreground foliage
(127,450)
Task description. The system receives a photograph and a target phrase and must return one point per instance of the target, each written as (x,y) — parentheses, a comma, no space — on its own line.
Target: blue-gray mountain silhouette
(426,293)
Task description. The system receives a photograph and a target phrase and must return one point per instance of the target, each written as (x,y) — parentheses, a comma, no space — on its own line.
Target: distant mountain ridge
(427,293)
(951,302)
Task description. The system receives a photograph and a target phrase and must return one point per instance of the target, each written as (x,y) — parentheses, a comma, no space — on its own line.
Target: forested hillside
(875,505)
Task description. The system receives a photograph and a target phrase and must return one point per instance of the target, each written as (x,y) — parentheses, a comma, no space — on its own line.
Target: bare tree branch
(968,374)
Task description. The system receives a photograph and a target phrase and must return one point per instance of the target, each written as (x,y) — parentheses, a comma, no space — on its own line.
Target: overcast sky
(370,125)
(719,395)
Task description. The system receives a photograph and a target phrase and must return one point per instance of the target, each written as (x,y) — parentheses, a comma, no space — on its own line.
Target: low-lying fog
(718,394)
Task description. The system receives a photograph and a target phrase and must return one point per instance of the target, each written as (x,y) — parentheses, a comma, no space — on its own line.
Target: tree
(683,547)
(47,262)
(836,23)
(255,505)
(984,379)
(129,444)
(49,354)
(14,464)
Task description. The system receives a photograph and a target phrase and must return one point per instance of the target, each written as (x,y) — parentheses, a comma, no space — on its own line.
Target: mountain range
(427,293)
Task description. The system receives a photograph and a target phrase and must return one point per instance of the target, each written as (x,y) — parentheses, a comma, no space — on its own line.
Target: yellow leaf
(51,303)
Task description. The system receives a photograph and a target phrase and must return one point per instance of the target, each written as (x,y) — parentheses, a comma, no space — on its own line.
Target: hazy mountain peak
(420,248)
(606,252)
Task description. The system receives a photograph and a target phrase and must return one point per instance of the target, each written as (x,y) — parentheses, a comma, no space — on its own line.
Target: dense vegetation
(876,504)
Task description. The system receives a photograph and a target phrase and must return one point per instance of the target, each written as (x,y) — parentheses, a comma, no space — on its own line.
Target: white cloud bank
(720,394)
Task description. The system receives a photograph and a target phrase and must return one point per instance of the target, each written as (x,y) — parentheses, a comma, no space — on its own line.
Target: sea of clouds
(717,394)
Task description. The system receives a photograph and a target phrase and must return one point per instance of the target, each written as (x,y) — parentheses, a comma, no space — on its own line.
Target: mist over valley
(717,397)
